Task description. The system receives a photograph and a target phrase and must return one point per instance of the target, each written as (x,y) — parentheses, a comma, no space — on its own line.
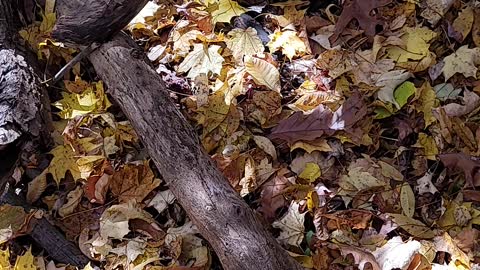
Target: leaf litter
(351,127)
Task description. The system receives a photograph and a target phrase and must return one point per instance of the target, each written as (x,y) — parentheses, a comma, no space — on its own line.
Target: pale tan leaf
(244,42)
(263,73)
(266,145)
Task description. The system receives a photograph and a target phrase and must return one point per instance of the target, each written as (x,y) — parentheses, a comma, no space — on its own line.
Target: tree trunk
(25,119)
(223,218)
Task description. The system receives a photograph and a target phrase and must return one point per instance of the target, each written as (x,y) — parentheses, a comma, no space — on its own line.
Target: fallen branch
(223,218)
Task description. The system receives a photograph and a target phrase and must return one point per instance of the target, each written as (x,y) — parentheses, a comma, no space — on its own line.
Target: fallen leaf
(202,59)
(25,261)
(471,102)
(73,199)
(227,9)
(311,172)
(413,226)
(462,25)
(288,42)
(463,61)
(434,9)
(388,82)
(416,45)
(161,200)
(395,254)
(271,197)
(244,42)
(266,145)
(133,182)
(292,226)
(263,73)
(360,10)
(403,92)
(407,200)
(361,257)
(464,163)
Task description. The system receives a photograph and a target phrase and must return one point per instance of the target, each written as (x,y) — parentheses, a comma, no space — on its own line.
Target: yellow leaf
(416,45)
(48,22)
(311,172)
(202,60)
(4,259)
(244,42)
(263,73)
(288,42)
(13,219)
(25,262)
(227,9)
(413,226)
(407,200)
(316,145)
(91,100)
(182,42)
(428,144)
(427,100)
(63,160)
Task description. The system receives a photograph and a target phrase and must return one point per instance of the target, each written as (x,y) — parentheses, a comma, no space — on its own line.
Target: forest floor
(352,129)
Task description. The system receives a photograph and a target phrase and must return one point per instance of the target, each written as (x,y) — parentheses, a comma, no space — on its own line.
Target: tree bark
(223,218)
(93,20)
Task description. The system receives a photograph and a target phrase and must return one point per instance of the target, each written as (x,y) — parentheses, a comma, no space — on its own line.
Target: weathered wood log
(223,218)
(25,117)
(24,105)
(93,20)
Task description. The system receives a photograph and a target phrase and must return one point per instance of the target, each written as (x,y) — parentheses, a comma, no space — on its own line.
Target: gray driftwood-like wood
(82,22)
(25,118)
(24,105)
(223,218)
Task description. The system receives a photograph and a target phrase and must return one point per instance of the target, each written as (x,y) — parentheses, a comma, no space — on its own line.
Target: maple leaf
(227,9)
(464,61)
(64,160)
(202,60)
(388,82)
(244,42)
(416,45)
(288,42)
(291,225)
(133,182)
(362,11)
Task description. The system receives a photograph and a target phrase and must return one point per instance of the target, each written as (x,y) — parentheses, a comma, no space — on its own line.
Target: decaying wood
(24,105)
(223,218)
(93,20)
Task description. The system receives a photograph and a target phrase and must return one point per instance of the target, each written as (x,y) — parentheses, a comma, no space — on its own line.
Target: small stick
(85,52)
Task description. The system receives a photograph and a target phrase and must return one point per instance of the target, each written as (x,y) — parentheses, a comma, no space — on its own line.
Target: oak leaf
(361,10)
